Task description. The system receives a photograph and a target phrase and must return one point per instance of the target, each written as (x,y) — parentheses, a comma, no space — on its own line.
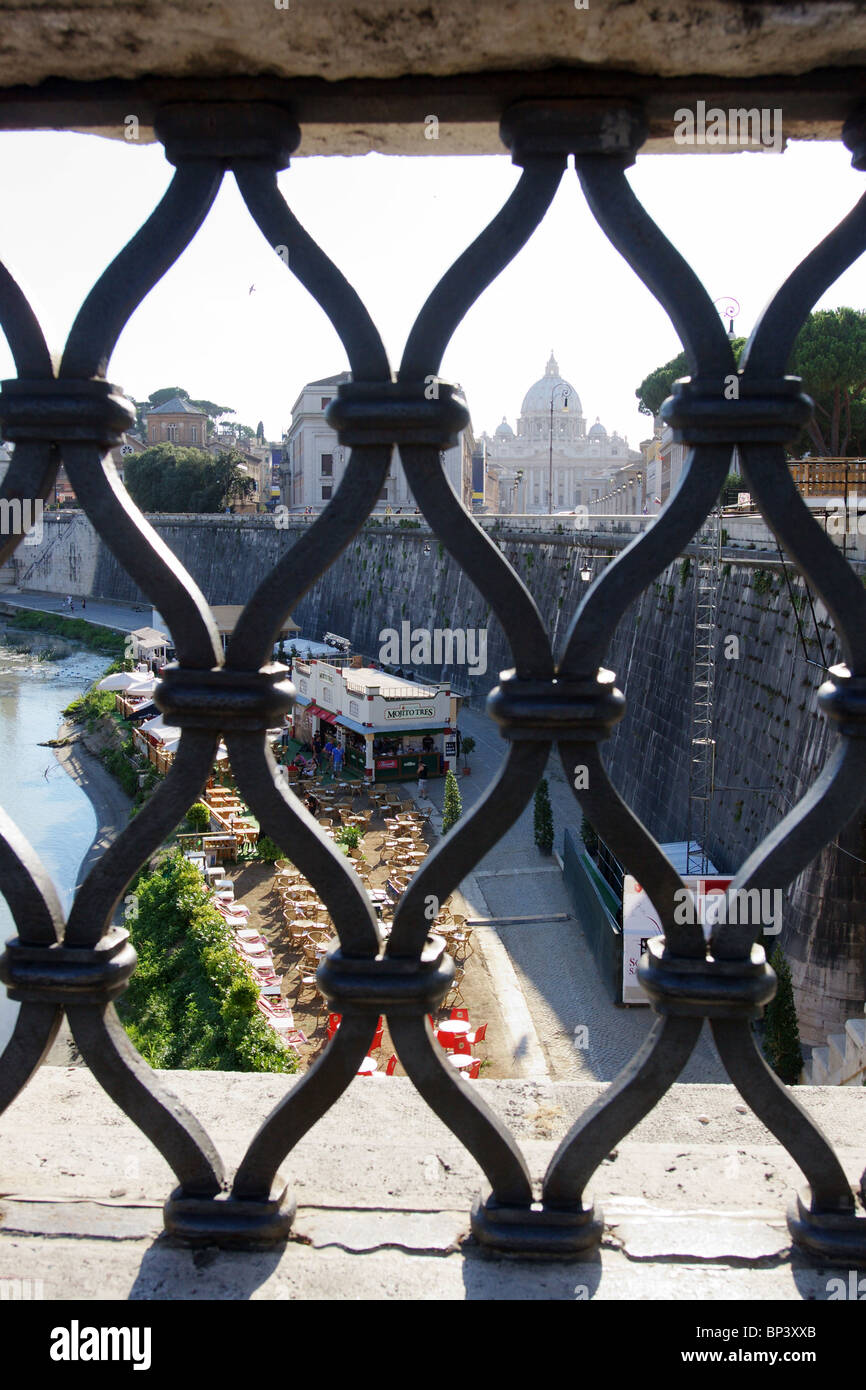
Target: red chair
(460,1045)
(392,1062)
(334,1021)
(377,1037)
(478,1036)
(474,1070)
(445,1040)
(462,1014)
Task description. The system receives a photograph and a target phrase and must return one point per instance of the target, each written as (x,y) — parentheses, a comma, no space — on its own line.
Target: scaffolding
(702,751)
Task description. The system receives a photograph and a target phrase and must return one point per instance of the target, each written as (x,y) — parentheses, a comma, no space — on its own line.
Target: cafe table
(368,1066)
(455,1027)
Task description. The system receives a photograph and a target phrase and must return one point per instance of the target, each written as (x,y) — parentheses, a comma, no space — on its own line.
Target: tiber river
(46,805)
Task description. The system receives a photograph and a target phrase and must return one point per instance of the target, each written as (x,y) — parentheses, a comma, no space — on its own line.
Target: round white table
(254,948)
(457,1027)
(368,1066)
(460,1060)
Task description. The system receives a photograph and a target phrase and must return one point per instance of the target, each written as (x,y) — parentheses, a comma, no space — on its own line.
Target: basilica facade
(553,462)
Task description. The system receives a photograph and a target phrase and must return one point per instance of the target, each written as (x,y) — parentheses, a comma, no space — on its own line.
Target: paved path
(125,617)
(552,964)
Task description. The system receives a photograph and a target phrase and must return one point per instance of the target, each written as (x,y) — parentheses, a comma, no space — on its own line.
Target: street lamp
(560,386)
(518,479)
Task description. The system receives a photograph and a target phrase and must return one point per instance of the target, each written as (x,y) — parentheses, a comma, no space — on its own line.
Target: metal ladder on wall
(702,752)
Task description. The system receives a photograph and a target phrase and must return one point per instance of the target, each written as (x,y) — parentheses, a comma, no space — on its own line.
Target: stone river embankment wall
(771,740)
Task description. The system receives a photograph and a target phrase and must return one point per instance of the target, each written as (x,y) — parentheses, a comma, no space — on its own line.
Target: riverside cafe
(389,728)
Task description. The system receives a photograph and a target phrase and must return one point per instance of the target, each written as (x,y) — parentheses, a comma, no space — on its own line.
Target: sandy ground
(254,888)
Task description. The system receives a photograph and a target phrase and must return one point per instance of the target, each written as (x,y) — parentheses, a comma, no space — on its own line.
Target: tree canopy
(168,393)
(830,356)
(655,388)
(172,478)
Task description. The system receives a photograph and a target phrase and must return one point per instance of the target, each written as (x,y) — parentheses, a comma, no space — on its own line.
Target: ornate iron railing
(78,967)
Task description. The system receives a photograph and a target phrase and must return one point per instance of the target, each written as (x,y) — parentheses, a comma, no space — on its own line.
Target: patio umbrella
(126,680)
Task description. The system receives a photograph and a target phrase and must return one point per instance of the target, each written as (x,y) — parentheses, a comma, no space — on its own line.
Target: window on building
(171,433)
(326,400)
(383,495)
(326,493)
(326,467)
(193,433)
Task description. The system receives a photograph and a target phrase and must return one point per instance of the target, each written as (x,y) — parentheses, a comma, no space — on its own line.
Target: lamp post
(560,386)
(518,478)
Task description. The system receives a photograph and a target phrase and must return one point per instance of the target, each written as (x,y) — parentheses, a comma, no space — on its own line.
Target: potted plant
(467,747)
(543,818)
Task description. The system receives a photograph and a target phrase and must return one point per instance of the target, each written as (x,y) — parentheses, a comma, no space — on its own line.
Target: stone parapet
(694,1200)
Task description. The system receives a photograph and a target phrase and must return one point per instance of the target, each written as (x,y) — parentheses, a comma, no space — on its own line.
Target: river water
(46,805)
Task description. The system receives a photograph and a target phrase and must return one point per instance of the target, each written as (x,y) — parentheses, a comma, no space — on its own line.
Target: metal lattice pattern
(567,699)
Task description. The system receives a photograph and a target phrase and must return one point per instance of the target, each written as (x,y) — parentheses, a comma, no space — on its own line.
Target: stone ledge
(92,40)
(694,1202)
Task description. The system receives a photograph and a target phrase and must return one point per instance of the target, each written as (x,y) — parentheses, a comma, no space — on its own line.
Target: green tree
(543,818)
(830,356)
(173,478)
(656,387)
(453,806)
(781,1030)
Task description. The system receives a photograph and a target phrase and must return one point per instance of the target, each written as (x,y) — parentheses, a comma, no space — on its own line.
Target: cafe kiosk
(388,727)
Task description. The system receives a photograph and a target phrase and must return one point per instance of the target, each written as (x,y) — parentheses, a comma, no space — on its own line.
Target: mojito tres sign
(404,712)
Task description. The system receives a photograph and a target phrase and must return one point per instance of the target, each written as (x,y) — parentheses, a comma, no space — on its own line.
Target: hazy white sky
(393,226)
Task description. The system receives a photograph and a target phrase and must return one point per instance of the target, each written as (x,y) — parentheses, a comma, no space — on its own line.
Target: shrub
(781,1030)
(453,804)
(198,816)
(120,767)
(543,818)
(191,1002)
(589,836)
(467,745)
(267,850)
(762,582)
(90,707)
(349,835)
(99,639)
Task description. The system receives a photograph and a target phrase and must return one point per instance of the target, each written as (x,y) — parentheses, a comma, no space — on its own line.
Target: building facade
(552,462)
(314,461)
(389,728)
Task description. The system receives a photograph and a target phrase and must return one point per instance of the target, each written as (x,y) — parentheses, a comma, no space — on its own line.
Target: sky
(393,225)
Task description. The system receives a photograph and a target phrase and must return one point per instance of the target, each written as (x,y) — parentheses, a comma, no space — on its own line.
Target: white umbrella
(165,733)
(125,680)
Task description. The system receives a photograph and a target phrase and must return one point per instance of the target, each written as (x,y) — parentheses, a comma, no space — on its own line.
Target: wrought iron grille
(565,698)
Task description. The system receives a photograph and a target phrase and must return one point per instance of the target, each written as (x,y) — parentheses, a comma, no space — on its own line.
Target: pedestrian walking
(83,602)
(422,782)
(337,759)
(69,603)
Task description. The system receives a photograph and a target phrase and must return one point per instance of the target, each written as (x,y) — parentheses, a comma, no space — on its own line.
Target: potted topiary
(543,818)
(198,816)
(467,747)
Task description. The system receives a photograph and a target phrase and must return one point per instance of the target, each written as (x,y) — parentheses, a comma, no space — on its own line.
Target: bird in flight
(252,287)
